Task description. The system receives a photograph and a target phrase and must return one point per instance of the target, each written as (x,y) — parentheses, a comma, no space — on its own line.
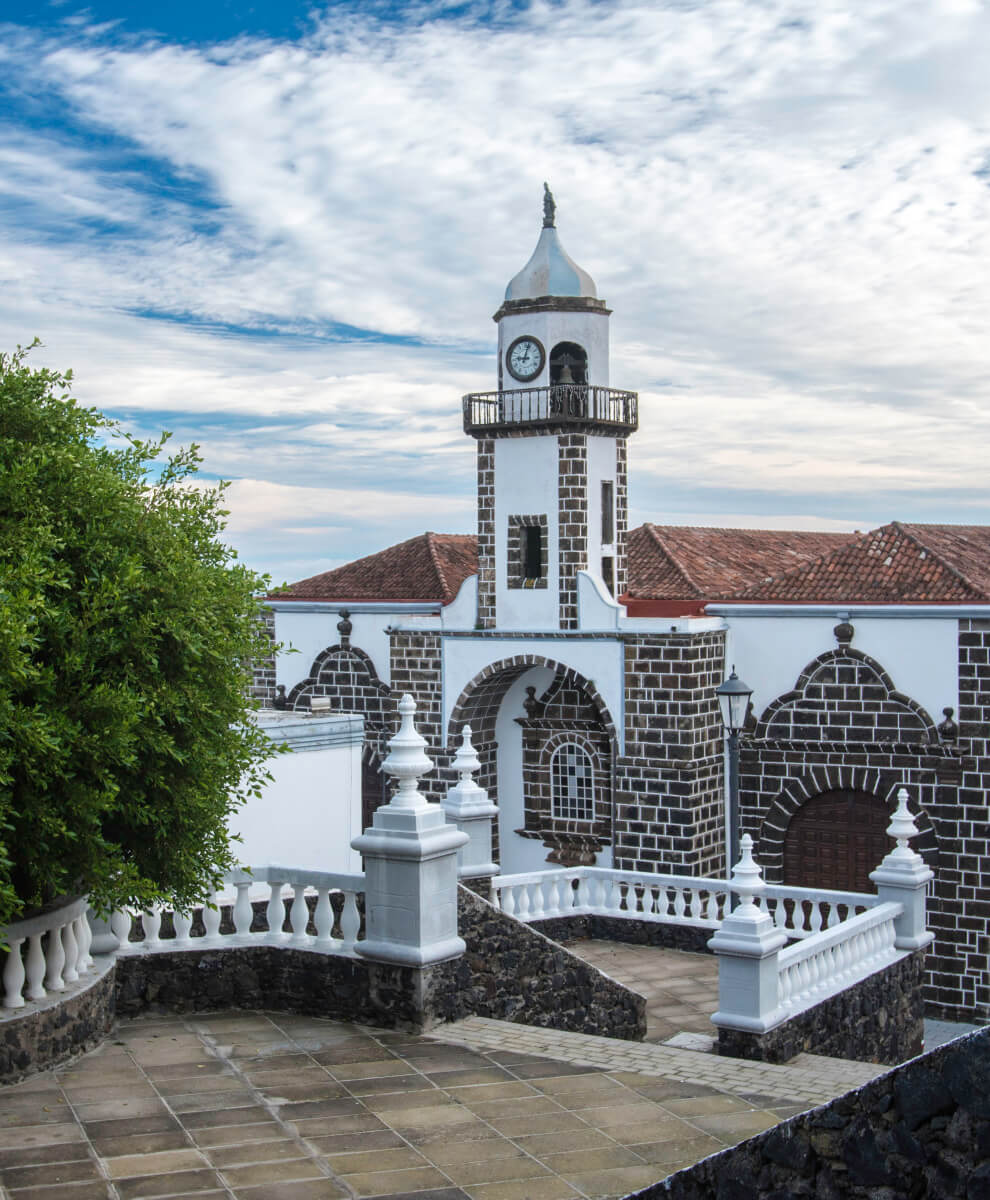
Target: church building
(585,656)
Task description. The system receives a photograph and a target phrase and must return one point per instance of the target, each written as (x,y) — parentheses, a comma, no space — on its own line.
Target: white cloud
(786,203)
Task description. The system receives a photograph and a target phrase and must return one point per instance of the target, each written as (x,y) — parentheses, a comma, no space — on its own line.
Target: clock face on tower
(525,359)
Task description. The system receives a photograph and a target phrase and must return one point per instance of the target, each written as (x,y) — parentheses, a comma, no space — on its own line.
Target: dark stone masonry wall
(922,1130)
(620,929)
(668,786)
(881,1020)
(263,670)
(416,658)
(848,728)
(572,526)
(486,533)
(48,1036)
(511,972)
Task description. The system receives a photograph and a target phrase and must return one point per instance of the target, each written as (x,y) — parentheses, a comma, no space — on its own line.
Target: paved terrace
(256,1106)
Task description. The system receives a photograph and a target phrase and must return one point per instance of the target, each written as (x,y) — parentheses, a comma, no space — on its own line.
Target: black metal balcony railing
(562,404)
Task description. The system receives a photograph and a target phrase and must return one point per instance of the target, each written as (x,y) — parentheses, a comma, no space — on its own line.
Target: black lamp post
(733,701)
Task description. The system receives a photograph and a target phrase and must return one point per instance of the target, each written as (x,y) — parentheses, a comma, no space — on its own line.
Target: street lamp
(733,701)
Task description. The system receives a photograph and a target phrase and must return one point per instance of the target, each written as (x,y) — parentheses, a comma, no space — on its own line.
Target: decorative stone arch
(347,676)
(480,700)
(801,789)
(478,705)
(845,695)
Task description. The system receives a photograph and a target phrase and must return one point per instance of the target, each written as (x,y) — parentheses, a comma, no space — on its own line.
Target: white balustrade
(667,899)
(601,891)
(826,963)
(274,885)
(48,953)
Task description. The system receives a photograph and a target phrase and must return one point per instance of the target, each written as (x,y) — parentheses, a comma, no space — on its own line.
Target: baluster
(816,916)
(151,919)
(695,904)
(537,901)
(275,913)
(496,898)
(299,916)
(323,918)
(583,892)
(54,959)
(679,903)
(34,968)
(509,901)
(779,914)
(785,985)
(120,926)
(70,949)
(833,915)
(13,975)
(183,924)
(522,913)
(84,939)
(559,887)
(243,912)
(350,921)
(711,908)
(212,917)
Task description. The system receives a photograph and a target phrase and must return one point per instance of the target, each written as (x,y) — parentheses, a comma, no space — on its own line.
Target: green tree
(127,630)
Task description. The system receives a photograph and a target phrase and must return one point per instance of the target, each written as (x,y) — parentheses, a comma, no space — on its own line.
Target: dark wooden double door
(836,840)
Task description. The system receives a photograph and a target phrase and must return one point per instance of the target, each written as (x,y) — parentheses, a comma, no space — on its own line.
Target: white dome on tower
(550,270)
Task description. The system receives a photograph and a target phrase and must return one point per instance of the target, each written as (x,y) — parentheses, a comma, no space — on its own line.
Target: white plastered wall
(309,633)
(526,473)
(588,329)
(309,812)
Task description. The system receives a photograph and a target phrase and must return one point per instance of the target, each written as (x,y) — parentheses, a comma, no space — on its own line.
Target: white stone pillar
(467,806)
(902,878)
(410,855)
(747,943)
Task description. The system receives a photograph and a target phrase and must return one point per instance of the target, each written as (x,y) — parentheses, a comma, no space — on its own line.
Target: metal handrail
(562,403)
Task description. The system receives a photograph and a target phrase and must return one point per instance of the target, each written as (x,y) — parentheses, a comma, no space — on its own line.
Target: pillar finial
(407,759)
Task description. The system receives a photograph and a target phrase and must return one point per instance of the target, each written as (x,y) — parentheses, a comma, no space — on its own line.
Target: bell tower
(551,448)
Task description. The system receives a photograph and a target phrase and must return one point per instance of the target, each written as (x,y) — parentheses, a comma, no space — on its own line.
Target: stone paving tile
(252,1107)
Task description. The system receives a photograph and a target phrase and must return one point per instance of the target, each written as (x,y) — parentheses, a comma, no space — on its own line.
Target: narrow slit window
(532,552)
(608,512)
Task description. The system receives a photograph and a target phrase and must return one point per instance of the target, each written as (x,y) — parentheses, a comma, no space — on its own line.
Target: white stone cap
(550,272)
(301,733)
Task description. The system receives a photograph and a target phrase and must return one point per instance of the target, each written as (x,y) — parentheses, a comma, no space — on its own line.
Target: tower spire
(549,208)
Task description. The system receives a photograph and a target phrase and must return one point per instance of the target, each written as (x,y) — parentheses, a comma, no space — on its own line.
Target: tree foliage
(127,630)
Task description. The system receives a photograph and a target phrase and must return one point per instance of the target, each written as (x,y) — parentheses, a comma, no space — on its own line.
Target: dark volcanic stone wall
(513,973)
(41,1039)
(921,1130)
(880,1019)
(509,972)
(620,929)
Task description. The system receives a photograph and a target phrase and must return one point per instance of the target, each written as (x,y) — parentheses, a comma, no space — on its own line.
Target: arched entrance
(522,712)
(835,840)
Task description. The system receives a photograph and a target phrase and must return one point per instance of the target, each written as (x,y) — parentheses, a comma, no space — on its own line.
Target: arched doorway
(835,840)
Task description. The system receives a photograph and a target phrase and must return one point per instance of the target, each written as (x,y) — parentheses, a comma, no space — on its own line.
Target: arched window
(568,363)
(572,784)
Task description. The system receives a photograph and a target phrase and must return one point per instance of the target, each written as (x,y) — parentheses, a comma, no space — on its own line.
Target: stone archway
(873,794)
(564,707)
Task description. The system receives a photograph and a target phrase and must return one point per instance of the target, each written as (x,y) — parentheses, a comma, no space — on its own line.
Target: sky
(280,231)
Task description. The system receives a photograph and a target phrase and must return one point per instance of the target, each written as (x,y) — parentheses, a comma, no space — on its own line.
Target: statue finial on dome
(549,208)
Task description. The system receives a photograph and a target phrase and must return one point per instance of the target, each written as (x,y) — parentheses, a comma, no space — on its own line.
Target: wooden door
(836,840)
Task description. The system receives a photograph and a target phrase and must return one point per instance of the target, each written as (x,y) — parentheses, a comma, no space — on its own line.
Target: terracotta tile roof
(893,564)
(684,562)
(896,563)
(431,566)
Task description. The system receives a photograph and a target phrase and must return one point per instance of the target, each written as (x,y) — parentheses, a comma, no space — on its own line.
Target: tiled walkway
(681,989)
(260,1107)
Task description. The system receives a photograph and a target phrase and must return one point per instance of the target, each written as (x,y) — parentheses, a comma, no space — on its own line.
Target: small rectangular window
(533,552)
(608,512)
